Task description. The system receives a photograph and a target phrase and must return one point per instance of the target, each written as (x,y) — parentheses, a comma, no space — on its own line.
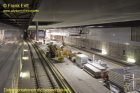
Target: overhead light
(25,50)
(25,58)
(24,74)
(100,26)
(127,43)
(91,26)
(104,52)
(131,60)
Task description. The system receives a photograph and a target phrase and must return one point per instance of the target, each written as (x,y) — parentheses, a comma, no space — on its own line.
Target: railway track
(46,75)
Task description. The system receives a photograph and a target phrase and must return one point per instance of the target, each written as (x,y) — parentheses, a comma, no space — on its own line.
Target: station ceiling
(68,13)
(65,13)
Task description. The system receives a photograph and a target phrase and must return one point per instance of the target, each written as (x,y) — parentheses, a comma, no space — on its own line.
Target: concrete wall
(14,36)
(116,35)
(115,41)
(9,33)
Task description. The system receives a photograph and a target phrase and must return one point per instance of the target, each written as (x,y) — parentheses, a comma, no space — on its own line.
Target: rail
(58,76)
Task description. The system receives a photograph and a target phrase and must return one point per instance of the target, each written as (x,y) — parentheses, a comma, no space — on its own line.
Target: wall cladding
(10,34)
(137,55)
(115,50)
(116,41)
(116,35)
(119,43)
(135,34)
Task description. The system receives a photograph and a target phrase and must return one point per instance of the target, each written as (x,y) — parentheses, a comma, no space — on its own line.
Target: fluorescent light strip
(25,50)
(25,58)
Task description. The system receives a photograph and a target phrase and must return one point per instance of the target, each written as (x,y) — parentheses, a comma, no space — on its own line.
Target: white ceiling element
(87,12)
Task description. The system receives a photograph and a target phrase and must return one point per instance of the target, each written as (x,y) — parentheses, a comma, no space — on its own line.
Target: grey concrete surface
(9,62)
(28,81)
(81,81)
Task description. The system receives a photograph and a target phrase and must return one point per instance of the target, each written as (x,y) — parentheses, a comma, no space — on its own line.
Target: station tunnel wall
(10,34)
(12,37)
(117,42)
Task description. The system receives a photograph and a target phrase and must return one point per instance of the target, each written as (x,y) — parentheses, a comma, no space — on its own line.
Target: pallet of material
(92,70)
(98,66)
(118,76)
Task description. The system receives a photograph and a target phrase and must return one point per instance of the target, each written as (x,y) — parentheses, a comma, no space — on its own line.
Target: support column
(36,30)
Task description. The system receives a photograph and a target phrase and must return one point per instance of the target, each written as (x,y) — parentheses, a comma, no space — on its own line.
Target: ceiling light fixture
(25,50)
(25,58)
(100,26)
(127,43)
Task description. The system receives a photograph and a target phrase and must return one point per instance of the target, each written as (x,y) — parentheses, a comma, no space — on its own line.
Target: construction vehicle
(58,52)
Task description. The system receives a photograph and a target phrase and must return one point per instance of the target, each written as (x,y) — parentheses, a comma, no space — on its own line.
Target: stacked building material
(92,70)
(127,79)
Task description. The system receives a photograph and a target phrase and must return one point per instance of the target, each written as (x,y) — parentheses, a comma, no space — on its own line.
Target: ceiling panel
(86,12)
